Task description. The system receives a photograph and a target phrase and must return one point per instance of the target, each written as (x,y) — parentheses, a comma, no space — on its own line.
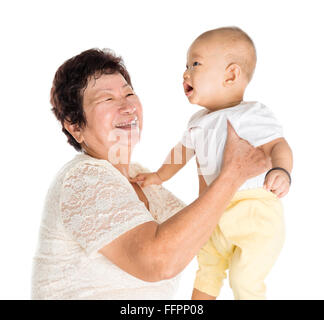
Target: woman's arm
(154,252)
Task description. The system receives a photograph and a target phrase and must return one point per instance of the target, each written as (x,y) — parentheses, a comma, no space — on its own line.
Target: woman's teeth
(126,124)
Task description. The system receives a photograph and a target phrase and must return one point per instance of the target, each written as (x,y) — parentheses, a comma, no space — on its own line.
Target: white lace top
(89,204)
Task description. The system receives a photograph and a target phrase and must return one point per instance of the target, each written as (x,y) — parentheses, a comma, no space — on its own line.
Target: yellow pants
(247,241)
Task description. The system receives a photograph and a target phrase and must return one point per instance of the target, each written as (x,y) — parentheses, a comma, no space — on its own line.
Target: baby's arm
(280,153)
(176,159)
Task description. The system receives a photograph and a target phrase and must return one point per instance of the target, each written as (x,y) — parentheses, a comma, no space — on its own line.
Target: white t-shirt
(88,205)
(207,131)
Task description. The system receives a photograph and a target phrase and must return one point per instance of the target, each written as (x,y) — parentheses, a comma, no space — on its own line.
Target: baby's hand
(277,181)
(146,179)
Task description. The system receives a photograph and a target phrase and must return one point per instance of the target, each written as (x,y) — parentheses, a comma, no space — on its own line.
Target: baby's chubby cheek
(212,96)
(201,98)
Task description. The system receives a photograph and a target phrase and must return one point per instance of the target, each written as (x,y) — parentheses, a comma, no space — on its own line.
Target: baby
(250,233)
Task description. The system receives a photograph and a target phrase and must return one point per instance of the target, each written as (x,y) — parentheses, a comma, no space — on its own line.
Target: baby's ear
(232,74)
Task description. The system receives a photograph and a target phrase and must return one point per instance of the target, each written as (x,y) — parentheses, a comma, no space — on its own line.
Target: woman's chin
(120,151)
(125,136)
(130,142)
(134,137)
(129,138)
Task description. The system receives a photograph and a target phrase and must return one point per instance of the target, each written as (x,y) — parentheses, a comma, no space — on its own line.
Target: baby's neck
(225,105)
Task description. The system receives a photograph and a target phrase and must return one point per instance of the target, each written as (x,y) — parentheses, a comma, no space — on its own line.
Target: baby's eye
(129,94)
(196,63)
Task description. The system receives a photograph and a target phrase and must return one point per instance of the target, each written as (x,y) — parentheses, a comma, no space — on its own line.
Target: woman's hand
(241,158)
(155,252)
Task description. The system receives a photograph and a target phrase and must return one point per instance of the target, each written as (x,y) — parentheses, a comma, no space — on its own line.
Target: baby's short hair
(241,47)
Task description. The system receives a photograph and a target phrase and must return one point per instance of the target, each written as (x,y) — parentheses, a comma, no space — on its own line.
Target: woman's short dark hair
(71,79)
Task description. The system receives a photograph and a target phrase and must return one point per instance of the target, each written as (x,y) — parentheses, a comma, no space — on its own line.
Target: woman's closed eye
(110,98)
(104,99)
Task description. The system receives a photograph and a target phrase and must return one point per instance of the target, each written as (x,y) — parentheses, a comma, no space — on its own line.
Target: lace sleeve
(98,204)
(169,204)
(165,203)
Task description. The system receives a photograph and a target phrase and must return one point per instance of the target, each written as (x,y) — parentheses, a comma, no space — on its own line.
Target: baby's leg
(258,236)
(213,262)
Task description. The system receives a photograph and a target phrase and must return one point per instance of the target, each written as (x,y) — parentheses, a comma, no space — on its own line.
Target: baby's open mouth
(187,89)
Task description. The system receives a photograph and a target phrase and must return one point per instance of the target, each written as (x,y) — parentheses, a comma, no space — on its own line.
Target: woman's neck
(120,159)
(123,169)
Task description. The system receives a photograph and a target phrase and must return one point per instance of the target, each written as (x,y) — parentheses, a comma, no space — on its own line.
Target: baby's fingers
(145,183)
(269,182)
(284,188)
(138,178)
(282,194)
(276,185)
(277,190)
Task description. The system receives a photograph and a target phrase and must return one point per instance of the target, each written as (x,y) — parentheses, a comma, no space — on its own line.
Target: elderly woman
(102,236)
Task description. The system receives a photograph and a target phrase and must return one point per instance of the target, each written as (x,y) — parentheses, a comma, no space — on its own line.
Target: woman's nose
(127,108)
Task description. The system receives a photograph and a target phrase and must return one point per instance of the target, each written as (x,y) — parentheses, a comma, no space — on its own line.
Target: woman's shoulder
(85,165)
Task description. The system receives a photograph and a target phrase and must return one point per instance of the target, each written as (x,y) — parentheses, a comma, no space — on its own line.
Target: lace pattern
(97,205)
(88,204)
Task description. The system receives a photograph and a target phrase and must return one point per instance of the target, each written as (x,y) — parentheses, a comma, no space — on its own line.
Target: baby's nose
(186,74)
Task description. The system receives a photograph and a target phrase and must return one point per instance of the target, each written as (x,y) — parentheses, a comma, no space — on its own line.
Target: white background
(153,37)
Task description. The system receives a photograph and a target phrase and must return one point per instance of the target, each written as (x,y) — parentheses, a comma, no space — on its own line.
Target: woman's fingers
(231,133)
(232,141)
(257,162)
(240,156)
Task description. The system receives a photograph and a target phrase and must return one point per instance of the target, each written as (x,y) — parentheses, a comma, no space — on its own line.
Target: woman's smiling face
(113,113)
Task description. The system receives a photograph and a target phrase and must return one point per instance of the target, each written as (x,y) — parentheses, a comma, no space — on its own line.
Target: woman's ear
(74,130)
(232,74)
